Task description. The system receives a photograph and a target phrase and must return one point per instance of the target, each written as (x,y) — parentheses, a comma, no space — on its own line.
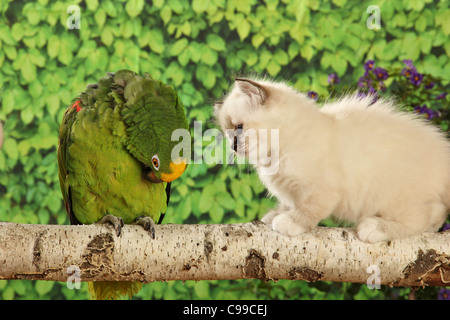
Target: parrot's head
(155,120)
(164,171)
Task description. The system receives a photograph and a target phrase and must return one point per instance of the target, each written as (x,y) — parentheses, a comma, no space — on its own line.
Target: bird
(115,158)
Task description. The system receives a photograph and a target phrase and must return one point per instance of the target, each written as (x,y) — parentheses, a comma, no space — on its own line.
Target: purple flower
(418,109)
(364,82)
(446,227)
(441,96)
(333,79)
(409,68)
(416,78)
(429,85)
(381,73)
(407,72)
(444,294)
(408,64)
(369,65)
(429,113)
(361,94)
(313,95)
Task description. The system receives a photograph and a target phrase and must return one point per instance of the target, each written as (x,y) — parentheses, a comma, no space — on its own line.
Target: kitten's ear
(255,91)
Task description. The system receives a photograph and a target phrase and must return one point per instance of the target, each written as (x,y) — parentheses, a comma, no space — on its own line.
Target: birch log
(219,251)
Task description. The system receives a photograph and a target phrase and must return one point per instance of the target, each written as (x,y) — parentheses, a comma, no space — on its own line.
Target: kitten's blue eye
(240,126)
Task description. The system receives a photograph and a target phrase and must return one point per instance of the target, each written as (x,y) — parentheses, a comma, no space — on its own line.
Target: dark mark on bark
(236,231)
(186,267)
(43,275)
(208,248)
(303,273)
(254,266)
(98,256)
(258,223)
(430,268)
(37,249)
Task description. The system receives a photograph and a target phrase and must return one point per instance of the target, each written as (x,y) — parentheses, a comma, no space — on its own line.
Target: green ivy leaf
(37,58)
(281,57)
(215,42)
(339,3)
(209,56)
(273,68)
(6,36)
(17,32)
(225,200)
(201,290)
(326,60)
(257,40)
(28,70)
(166,14)
(200,6)
(307,52)
(10,148)
(100,17)
(53,46)
(421,23)
(33,13)
(134,7)
(92,5)
(8,293)
(206,200)
(216,213)
(19,287)
(185,208)
(107,36)
(52,101)
(43,287)
(10,52)
(243,28)
(178,46)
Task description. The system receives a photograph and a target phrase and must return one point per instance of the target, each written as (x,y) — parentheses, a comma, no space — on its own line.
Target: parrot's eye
(155,162)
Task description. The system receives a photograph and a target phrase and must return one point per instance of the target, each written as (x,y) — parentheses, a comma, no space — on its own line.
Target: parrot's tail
(113,290)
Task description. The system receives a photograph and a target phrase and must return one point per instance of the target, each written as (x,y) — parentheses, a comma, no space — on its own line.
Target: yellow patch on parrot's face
(177,167)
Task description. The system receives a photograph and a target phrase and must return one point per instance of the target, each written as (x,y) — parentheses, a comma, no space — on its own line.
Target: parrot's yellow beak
(177,167)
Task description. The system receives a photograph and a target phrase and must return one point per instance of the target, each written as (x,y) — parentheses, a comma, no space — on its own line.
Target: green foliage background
(197,46)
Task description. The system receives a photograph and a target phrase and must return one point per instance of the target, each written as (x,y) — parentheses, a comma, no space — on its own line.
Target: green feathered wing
(106,153)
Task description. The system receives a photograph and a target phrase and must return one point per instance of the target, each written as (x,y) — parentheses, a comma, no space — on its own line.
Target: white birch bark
(220,251)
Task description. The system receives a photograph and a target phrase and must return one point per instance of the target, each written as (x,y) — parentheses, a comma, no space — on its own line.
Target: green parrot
(114,157)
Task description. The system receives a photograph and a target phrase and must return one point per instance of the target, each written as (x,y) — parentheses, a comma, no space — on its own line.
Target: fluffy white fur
(387,171)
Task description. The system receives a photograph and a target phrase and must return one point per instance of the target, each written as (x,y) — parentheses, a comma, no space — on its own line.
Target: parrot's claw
(147,223)
(116,222)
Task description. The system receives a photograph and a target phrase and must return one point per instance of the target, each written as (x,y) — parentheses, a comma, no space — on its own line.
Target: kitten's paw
(370,230)
(268,218)
(284,224)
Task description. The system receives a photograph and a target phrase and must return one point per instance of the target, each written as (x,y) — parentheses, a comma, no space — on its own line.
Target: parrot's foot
(147,223)
(116,222)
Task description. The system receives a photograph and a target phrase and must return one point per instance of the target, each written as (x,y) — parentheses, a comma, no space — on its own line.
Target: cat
(358,160)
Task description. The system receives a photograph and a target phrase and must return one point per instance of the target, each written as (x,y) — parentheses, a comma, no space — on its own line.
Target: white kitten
(386,170)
